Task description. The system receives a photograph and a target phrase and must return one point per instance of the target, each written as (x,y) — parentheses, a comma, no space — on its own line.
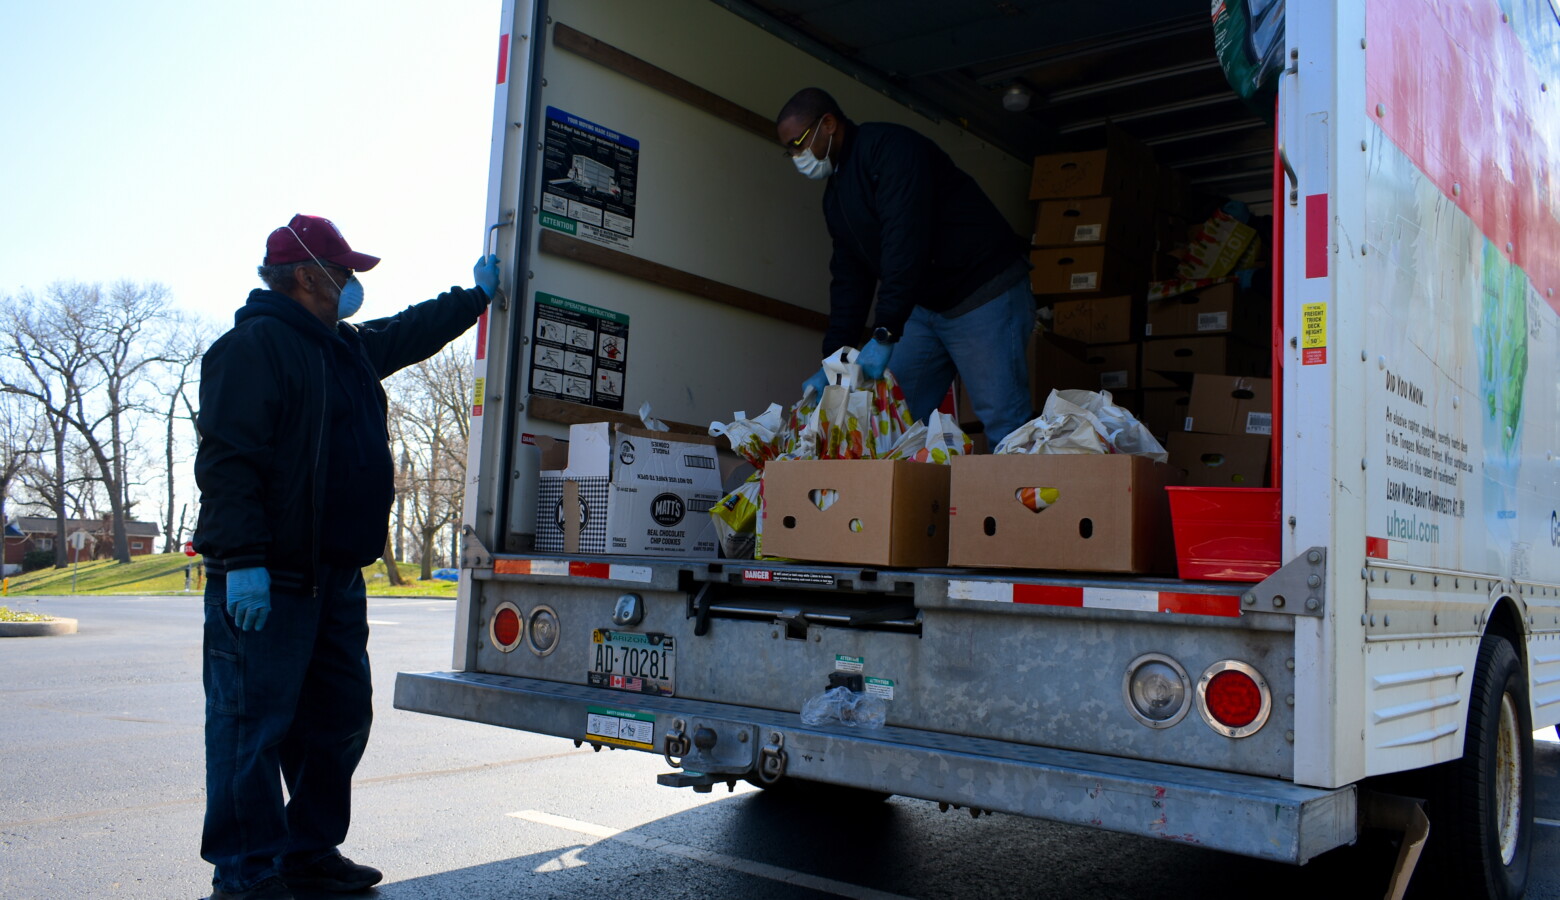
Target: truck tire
(1481,806)
(799,790)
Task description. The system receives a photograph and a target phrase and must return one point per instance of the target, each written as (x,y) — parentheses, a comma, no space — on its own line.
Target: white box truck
(1410,642)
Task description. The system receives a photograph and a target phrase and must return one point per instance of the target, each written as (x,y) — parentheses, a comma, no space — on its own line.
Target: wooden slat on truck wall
(584,45)
(556,244)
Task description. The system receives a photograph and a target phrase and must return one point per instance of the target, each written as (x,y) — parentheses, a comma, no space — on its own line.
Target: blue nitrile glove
(249,597)
(815,384)
(486,273)
(873,359)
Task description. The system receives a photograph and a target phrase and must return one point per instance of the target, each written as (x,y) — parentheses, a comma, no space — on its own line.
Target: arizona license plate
(633,662)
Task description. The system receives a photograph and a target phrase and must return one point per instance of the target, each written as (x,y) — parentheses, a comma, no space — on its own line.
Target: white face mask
(812,166)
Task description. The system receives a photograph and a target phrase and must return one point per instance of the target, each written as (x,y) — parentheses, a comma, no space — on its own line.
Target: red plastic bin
(1226,534)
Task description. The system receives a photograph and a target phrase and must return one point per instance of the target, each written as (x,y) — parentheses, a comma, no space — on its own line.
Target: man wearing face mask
(296,485)
(948,272)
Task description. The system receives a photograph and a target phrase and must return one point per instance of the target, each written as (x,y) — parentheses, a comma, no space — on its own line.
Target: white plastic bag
(845,706)
(1120,429)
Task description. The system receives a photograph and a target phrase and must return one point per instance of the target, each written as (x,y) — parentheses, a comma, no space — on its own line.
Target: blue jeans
(987,346)
(290,702)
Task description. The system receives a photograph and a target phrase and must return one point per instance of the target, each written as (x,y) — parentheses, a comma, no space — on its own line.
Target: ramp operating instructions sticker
(579,352)
(590,178)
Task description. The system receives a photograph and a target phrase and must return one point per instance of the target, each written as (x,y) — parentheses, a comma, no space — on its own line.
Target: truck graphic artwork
(592,176)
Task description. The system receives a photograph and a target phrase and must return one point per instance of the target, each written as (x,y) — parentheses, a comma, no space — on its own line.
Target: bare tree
(22,438)
(430,408)
(187,342)
(86,355)
(50,369)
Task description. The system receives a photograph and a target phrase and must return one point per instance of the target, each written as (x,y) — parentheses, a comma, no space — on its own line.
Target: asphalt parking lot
(101,775)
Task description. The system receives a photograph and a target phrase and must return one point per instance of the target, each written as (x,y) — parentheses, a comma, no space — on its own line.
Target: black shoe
(333,873)
(272,888)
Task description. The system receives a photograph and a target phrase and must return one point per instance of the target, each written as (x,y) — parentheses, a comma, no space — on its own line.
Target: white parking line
(719,860)
(1550,822)
(381,622)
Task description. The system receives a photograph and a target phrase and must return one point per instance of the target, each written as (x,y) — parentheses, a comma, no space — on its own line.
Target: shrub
(37,559)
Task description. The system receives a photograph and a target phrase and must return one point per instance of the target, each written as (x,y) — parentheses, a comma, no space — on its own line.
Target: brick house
(23,534)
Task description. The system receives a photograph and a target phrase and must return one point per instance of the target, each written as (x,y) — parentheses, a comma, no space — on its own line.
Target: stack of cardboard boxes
(1104,222)
(1094,247)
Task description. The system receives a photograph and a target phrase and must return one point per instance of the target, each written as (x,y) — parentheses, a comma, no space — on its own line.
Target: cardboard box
(1098,320)
(1099,269)
(1123,168)
(1110,514)
(1088,220)
(1220,460)
(1115,366)
(1187,355)
(1164,411)
(1211,310)
(880,512)
(1230,404)
(634,492)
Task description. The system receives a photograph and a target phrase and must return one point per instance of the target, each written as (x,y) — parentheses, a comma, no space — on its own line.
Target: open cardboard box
(872,512)
(633,491)
(1110,513)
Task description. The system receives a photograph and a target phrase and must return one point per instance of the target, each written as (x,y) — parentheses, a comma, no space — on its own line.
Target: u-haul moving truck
(1415,625)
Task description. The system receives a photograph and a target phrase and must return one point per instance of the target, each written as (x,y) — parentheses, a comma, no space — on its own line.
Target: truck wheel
(801,791)
(1481,806)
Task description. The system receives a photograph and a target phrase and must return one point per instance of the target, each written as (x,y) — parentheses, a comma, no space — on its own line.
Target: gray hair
(280,277)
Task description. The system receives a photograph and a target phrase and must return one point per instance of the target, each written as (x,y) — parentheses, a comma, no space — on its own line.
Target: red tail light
(506,630)
(1233,698)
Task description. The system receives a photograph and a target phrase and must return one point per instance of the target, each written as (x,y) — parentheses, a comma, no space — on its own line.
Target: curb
(38,629)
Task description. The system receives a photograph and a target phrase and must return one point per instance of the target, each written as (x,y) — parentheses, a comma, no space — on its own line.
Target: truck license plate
(633,662)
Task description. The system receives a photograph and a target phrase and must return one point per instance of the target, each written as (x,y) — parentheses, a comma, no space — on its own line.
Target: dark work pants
(290,702)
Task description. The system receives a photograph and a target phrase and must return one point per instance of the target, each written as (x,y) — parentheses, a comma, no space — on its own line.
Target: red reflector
(506,627)
(1233,698)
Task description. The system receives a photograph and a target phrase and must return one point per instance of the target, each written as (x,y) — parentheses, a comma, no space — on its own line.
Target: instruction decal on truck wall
(620,726)
(1313,334)
(590,180)
(579,352)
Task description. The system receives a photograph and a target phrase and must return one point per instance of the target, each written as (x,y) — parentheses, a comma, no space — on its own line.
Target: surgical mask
(812,166)
(351,299)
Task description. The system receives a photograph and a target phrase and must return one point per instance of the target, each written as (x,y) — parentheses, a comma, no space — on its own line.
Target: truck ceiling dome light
(505,630)
(1157,690)
(1233,698)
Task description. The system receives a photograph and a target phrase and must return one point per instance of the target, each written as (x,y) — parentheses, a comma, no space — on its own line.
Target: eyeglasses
(797,146)
(333,267)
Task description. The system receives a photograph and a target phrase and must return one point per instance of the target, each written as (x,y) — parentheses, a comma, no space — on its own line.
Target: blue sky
(162,140)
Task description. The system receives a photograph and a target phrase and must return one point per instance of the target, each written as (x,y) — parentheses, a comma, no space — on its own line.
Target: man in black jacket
(948,272)
(296,484)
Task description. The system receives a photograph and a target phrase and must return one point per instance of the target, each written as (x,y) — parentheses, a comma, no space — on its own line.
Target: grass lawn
(164,574)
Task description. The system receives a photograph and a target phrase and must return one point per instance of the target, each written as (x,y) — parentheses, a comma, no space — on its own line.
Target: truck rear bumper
(1248,815)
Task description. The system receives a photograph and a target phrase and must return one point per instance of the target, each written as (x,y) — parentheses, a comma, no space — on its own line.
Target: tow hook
(676,746)
(771,759)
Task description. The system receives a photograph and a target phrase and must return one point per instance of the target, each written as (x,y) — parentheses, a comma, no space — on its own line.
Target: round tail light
(506,630)
(1233,698)
(1157,690)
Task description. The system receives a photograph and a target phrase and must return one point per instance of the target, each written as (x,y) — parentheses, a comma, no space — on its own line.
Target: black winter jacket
(264,423)
(911,226)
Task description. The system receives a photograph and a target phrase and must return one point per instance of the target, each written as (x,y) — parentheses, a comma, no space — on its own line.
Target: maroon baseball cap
(314,237)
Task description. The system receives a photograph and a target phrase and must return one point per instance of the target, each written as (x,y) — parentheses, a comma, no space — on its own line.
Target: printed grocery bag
(1219,245)
(756,440)
(737,519)
(937,440)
